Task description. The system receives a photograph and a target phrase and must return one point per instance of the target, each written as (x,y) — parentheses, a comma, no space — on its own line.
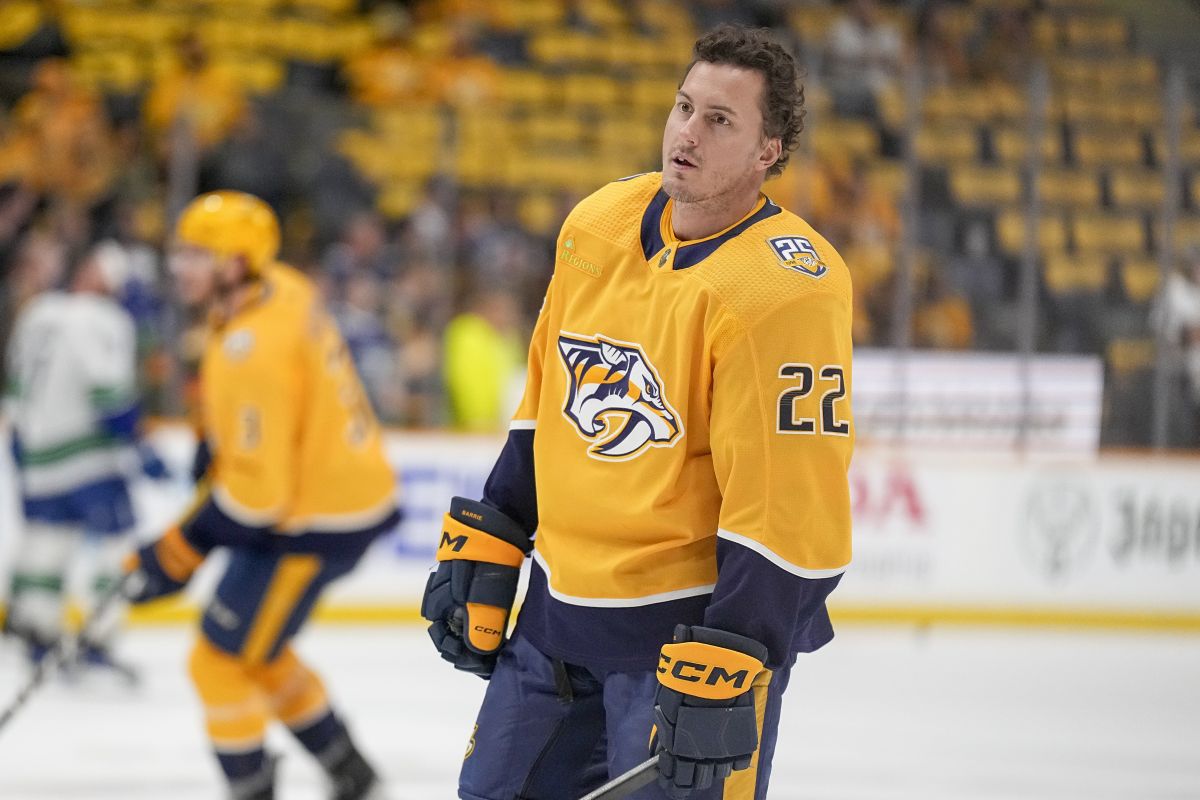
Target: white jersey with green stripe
(71,365)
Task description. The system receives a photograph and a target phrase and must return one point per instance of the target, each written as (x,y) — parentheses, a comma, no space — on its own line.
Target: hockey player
(297,489)
(74,410)
(681,454)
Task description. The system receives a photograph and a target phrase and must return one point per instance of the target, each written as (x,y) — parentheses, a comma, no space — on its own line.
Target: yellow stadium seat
(811,22)
(1081,108)
(1189,148)
(19,20)
(417,123)
(1011,144)
(1127,355)
(1072,188)
(635,136)
(1071,274)
(398,200)
(552,128)
(655,94)
(1140,278)
(526,87)
(527,15)
(1011,227)
(958,103)
(1107,148)
(848,137)
(583,90)
(1187,232)
(1102,32)
(947,143)
(326,7)
(891,105)
(985,186)
(1123,234)
(1136,188)
(888,177)
(1046,33)
(257,75)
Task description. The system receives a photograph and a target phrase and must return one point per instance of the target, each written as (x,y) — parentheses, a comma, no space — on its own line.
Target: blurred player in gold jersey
(677,468)
(297,489)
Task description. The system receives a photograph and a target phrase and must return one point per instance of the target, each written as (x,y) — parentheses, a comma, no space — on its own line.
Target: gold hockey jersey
(294,440)
(688,399)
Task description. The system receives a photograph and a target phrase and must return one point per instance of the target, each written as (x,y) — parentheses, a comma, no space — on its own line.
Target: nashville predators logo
(615,398)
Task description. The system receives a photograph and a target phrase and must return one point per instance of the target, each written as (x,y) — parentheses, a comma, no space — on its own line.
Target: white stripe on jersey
(60,477)
(777,559)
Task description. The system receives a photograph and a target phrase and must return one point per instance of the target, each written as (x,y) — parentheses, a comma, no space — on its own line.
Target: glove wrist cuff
(483,517)
(178,557)
(710,663)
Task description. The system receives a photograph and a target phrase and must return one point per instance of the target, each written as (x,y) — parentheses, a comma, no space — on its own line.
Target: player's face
(195,273)
(714,144)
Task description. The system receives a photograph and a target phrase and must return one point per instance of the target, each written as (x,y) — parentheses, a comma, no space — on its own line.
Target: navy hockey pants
(554,731)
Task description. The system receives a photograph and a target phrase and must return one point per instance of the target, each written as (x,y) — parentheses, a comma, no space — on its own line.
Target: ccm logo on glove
(705,670)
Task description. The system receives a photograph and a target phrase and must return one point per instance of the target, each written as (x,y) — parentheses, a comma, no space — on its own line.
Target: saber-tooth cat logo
(615,397)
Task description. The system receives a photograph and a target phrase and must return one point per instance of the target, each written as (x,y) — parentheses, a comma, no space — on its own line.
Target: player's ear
(772,149)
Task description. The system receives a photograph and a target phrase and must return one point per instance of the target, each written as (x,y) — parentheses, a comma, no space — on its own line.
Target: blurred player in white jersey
(73,404)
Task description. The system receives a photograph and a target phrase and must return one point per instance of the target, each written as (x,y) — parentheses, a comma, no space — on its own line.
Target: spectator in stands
(482,363)
(1003,49)
(391,72)
(64,136)
(430,234)
(942,54)
(196,99)
(865,53)
(495,248)
(250,160)
(464,77)
(943,318)
(360,320)
(363,249)
(1179,316)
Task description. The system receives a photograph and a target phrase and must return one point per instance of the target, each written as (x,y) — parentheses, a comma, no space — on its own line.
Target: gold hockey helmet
(231,224)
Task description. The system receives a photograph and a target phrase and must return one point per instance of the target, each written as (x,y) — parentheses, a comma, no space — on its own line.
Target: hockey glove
(704,715)
(162,568)
(470,596)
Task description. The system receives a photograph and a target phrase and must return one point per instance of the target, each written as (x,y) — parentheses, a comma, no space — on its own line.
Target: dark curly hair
(783,96)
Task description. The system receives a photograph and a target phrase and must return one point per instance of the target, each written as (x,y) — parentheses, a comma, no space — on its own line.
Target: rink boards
(939,537)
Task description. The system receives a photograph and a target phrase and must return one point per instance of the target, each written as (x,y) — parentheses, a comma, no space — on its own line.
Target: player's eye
(684,106)
(721,119)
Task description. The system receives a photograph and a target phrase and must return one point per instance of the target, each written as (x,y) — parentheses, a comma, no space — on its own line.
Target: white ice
(881,714)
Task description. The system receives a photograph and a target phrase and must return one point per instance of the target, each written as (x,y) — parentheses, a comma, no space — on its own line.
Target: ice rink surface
(881,714)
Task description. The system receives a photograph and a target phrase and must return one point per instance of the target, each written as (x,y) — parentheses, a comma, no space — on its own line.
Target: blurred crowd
(436,286)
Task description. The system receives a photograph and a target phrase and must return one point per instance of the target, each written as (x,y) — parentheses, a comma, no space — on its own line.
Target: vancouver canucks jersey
(71,364)
(295,445)
(686,428)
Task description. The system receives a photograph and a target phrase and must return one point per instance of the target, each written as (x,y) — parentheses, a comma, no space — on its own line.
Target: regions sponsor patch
(568,256)
(798,254)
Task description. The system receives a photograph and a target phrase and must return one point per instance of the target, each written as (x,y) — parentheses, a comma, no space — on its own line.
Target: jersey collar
(255,294)
(656,232)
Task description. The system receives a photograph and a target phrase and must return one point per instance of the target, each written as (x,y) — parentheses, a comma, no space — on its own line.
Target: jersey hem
(619,602)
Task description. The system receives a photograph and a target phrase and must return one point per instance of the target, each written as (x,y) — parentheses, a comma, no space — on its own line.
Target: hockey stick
(628,783)
(57,655)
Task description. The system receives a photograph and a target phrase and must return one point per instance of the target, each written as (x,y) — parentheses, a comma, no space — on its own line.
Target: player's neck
(697,220)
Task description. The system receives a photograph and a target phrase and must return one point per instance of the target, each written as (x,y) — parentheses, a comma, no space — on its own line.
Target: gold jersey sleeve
(782,433)
(295,443)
